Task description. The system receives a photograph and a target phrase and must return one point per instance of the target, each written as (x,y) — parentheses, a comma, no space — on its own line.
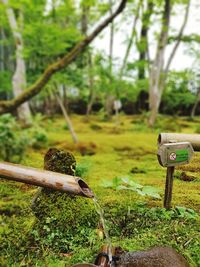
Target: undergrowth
(134,221)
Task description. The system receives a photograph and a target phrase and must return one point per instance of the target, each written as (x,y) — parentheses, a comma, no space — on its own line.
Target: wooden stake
(168,187)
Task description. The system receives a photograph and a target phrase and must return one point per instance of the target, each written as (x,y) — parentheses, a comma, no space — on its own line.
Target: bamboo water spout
(43,178)
(194,139)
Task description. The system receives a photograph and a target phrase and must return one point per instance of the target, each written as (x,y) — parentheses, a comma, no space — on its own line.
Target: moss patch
(132,222)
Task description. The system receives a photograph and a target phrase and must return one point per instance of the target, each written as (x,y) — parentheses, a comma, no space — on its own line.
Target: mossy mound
(59,161)
(62,220)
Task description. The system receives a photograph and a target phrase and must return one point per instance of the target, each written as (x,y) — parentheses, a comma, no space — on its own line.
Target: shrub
(38,136)
(12,142)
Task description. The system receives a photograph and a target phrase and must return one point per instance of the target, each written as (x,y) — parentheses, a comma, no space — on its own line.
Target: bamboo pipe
(194,139)
(43,178)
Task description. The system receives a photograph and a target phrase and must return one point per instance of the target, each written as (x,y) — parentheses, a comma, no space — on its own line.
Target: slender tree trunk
(67,118)
(84,29)
(111,38)
(130,43)
(19,77)
(65,99)
(171,57)
(2,52)
(157,67)
(109,96)
(84,19)
(196,104)
(91,86)
(143,44)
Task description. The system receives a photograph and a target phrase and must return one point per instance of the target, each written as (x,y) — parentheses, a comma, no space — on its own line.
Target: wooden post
(168,187)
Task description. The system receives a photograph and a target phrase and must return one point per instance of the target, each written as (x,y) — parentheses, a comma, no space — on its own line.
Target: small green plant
(12,142)
(125,183)
(183,212)
(82,168)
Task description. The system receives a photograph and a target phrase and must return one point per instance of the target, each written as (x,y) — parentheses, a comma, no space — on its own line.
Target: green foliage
(12,142)
(5,82)
(37,134)
(183,212)
(125,183)
(51,40)
(177,97)
(167,124)
(82,169)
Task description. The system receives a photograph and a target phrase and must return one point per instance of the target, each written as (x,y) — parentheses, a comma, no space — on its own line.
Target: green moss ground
(132,222)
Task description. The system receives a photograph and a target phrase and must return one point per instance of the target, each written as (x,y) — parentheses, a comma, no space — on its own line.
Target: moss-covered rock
(62,219)
(59,161)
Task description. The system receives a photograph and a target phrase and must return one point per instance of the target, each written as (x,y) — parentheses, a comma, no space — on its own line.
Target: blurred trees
(58,34)
(19,76)
(58,65)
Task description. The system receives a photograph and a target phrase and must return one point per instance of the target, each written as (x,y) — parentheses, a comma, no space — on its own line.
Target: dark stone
(154,257)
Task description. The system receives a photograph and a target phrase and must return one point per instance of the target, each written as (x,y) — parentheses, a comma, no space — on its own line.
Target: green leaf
(151,191)
(107,184)
(122,187)
(135,185)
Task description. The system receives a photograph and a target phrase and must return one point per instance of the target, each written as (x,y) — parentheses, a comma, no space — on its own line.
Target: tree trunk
(196,104)
(143,44)
(179,37)
(158,74)
(84,20)
(67,118)
(65,99)
(91,86)
(111,38)
(157,67)
(19,77)
(109,95)
(2,52)
(130,40)
(84,30)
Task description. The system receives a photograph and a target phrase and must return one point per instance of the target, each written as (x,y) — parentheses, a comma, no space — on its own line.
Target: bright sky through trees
(181,61)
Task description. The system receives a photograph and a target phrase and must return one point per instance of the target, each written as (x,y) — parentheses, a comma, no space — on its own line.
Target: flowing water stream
(108,240)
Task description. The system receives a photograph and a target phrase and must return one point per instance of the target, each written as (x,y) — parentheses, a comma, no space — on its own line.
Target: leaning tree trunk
(67,119)
(130,43)
(157,68)
(19,77)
